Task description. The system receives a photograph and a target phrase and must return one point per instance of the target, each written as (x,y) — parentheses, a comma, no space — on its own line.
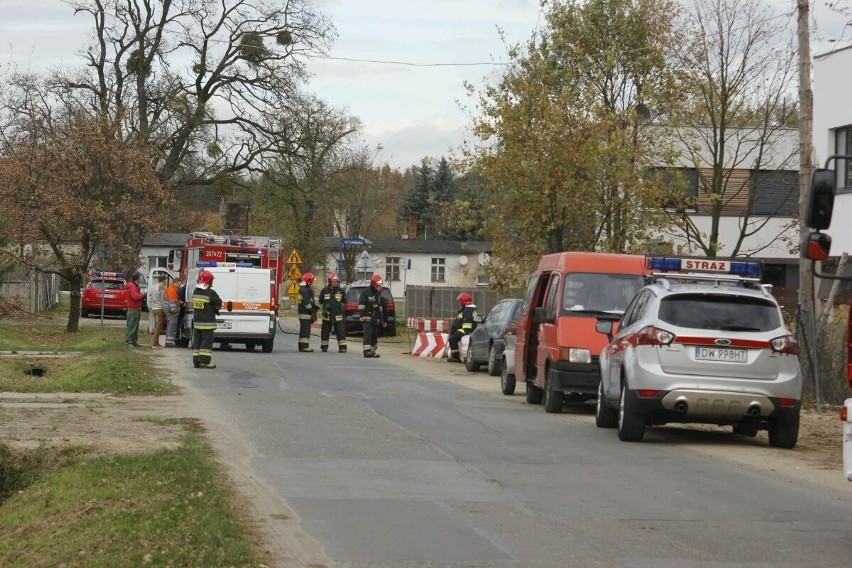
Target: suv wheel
(507,379)
(783,432)
(493,361)
(631,425)
(605,417)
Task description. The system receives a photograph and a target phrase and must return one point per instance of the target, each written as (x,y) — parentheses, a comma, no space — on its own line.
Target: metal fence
(434,302)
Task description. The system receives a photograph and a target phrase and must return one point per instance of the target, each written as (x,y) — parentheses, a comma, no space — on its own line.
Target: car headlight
(575,355)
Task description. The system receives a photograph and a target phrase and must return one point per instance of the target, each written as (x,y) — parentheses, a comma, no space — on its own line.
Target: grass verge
(61,506)
(43,357)
(169,508)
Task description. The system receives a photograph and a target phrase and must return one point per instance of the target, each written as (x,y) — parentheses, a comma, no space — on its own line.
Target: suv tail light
(785,344)
(650,335)
(351,307)
(390,307)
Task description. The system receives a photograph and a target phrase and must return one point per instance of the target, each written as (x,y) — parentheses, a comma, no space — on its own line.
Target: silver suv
(701,347)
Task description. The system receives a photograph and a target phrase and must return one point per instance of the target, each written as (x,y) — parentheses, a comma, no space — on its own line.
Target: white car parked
(701,348)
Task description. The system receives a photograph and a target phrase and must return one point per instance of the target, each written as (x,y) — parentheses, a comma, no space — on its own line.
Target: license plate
(223,325)
(726,354)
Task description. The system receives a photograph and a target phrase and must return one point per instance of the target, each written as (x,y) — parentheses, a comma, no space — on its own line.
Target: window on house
(685,182)
(392,268)
(843,145)
(439,269)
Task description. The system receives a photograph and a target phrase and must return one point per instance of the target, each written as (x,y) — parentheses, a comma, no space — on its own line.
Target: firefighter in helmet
(206,304)
(462,325)
(371,307)
(307,310)
(331,301)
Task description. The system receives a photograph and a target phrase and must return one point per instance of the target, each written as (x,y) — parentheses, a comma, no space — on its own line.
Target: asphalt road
(386,463)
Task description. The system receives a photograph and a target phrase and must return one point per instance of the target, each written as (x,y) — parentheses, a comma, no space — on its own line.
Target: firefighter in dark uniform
(372,315)
(206,304)
(307,309)
(331,301)
(462,325)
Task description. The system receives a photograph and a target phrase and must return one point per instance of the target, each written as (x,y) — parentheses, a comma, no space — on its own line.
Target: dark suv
(353,316)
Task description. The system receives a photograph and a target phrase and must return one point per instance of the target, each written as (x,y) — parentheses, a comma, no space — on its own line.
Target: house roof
(172,240)
(417,245)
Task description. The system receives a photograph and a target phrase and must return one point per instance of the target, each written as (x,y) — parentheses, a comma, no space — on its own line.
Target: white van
(247,315)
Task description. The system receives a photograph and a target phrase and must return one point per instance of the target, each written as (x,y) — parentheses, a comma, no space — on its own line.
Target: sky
(411,109)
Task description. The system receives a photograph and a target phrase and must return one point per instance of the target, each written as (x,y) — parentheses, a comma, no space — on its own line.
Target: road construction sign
(294,273)
(294,257)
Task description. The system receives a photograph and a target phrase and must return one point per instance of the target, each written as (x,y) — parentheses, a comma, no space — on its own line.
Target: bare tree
(297,183)
(197,80)
(739,74)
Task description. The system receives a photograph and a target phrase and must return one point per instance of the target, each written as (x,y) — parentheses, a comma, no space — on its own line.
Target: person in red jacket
(133,298)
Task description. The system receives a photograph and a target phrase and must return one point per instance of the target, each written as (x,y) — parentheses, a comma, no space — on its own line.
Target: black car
(353,316)
(487,341)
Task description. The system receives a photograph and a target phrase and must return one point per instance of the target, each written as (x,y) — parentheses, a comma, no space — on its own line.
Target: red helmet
(205,277)
(376,282)
(308,278)
(465,299)
(333,276)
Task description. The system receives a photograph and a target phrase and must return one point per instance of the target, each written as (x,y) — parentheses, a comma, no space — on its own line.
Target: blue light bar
(747,268)
(205,264)
(663,263)
(743,268)
(102,274)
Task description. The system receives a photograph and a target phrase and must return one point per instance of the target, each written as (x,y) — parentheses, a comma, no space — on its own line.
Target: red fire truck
(260,252)
(237,253)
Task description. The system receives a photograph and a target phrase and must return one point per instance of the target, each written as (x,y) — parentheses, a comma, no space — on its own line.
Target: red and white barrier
(429,324)
(430,344)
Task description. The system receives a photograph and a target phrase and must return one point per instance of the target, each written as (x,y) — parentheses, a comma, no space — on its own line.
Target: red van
(557,348)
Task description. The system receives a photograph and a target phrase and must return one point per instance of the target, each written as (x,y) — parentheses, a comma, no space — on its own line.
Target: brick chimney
(411,227)
(234,218)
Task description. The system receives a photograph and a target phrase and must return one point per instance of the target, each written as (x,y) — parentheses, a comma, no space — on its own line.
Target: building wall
(776,240)
(460,269)
(832,109)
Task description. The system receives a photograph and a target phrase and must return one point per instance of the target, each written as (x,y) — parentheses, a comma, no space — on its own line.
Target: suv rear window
(107,284)
(354,293)
(722,312)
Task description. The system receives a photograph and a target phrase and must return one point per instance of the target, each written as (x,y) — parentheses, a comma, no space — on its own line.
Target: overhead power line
(407,63)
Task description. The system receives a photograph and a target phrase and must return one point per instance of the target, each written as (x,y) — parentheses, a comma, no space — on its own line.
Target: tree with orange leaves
(77,198)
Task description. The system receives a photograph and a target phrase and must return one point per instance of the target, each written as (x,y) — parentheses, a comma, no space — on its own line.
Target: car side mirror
(821,198)
(604,327)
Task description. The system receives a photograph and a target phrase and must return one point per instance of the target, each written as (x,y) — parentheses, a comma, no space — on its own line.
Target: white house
(407,262)
(763,173)
(833,135)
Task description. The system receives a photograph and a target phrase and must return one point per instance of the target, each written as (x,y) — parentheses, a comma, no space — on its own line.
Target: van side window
(529,295)
(552,296)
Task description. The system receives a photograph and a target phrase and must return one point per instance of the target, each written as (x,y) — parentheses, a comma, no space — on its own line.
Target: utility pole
(806,128)
(806,316)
